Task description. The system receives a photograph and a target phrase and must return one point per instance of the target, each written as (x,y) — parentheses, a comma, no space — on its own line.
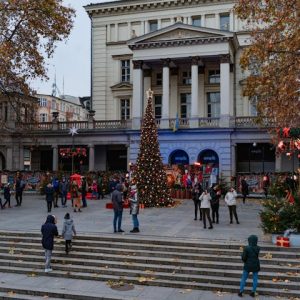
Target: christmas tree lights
(150,175)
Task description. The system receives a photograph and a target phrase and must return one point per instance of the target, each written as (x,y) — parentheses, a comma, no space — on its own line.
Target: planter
(294,240)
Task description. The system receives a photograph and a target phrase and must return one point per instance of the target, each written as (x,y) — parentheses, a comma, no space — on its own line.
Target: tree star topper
(149,93)
(73,130)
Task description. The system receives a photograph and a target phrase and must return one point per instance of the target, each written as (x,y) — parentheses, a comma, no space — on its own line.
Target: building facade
(188,53)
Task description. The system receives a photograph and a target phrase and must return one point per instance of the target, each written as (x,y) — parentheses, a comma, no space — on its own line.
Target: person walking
(215,194)
(68,231)
(19,187)
(49,192)
(75,195)
(196,193)
(266,184)
(245,189)
(55,184)
(230,199)
(250,257)
(63,190)
(6,194)
(49,231)
(83,191)
(117,200)
(205,207)
(134,208)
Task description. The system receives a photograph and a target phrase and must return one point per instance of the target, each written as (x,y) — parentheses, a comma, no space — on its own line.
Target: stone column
(142,27)
(225,91)
(159,24)
(21,155)
(9,159)
(190,21)
(195,93)
(129,30)
(91,157)
(108,37)
(166,95)
(137,96)
(116,32)
(55,158)
(147,86)
(233,159)
(202,99)
(217,21)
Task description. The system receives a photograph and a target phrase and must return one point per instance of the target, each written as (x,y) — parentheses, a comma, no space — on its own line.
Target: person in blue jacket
(49,231)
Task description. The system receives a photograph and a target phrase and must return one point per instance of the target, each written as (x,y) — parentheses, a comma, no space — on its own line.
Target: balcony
(182,123)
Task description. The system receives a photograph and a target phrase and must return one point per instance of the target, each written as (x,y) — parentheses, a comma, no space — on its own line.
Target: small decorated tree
(150,175)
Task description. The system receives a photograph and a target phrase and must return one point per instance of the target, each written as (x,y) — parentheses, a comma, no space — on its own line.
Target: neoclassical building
(187,52)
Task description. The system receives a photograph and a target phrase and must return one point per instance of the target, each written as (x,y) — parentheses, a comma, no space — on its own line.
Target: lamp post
(73,131)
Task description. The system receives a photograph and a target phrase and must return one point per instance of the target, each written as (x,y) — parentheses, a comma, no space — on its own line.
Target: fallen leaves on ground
(268,256)
(11,293)
(31,275)
(112,283)
(185,291)
(145,279)
(220,294)
(11,250)
(149,272)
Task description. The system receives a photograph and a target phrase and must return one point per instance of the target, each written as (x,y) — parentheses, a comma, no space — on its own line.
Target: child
(67,232)
(251,264)
(49,230)
(94,189)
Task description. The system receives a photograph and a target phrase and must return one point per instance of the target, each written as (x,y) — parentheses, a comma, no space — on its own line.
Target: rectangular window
(185,105)
(214,76)
(53,104)
(125,109)
(253,105)
(213,105)
(196,21)
(43,118)
(43,102)
(186,77)
(125,70)
(224,22)
(157,106)
(159,79)
(153,25)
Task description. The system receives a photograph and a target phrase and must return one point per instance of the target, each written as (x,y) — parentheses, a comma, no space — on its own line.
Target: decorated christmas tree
(150,175)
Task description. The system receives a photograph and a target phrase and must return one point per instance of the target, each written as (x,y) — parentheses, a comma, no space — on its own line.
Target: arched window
(179,157)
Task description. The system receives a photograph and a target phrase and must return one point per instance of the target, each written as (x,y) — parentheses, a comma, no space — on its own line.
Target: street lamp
(73,131)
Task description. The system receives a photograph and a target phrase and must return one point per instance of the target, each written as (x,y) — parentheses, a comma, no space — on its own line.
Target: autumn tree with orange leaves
(274,54)
(29,31)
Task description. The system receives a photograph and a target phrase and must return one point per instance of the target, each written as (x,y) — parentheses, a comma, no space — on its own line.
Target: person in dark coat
(6,195)
(251,264)
(215,194)
(64,188)
(20,185)
(117,200)
(49,192)
(196,192)
(83,191)
(245,189)
(49,231)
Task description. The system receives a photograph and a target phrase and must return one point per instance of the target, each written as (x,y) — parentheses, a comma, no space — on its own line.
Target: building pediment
(122,86)
(179,34)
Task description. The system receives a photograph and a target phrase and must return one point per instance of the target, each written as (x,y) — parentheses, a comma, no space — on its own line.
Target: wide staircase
(146,261)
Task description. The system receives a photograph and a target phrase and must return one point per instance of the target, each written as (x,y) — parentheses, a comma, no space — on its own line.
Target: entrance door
(117,159)
(2,161)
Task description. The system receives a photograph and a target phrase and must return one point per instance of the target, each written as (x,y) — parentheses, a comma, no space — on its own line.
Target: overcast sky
(71,61)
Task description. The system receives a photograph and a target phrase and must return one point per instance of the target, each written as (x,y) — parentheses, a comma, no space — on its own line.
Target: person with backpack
(68,231)
(49,231)
(251,265)
(55,184)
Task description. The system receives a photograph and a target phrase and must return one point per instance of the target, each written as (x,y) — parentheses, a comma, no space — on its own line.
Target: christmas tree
(149,174)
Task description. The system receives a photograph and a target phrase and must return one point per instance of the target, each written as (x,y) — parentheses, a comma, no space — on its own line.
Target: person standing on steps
(68,231)
(117,200)
(205,207)
(215,194)
(49,192)
(230,199)
(49,231)
(196,193)
(251,264)
(245,189)
(134,208)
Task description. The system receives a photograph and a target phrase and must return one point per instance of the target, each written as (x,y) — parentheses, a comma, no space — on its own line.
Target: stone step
(140,240)
(152,281)
(205,267)
(11,292)
(170,273)
(83,245)
(111,253)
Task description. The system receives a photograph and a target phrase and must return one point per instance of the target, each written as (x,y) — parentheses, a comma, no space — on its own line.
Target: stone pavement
(176,223)
(86,287)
